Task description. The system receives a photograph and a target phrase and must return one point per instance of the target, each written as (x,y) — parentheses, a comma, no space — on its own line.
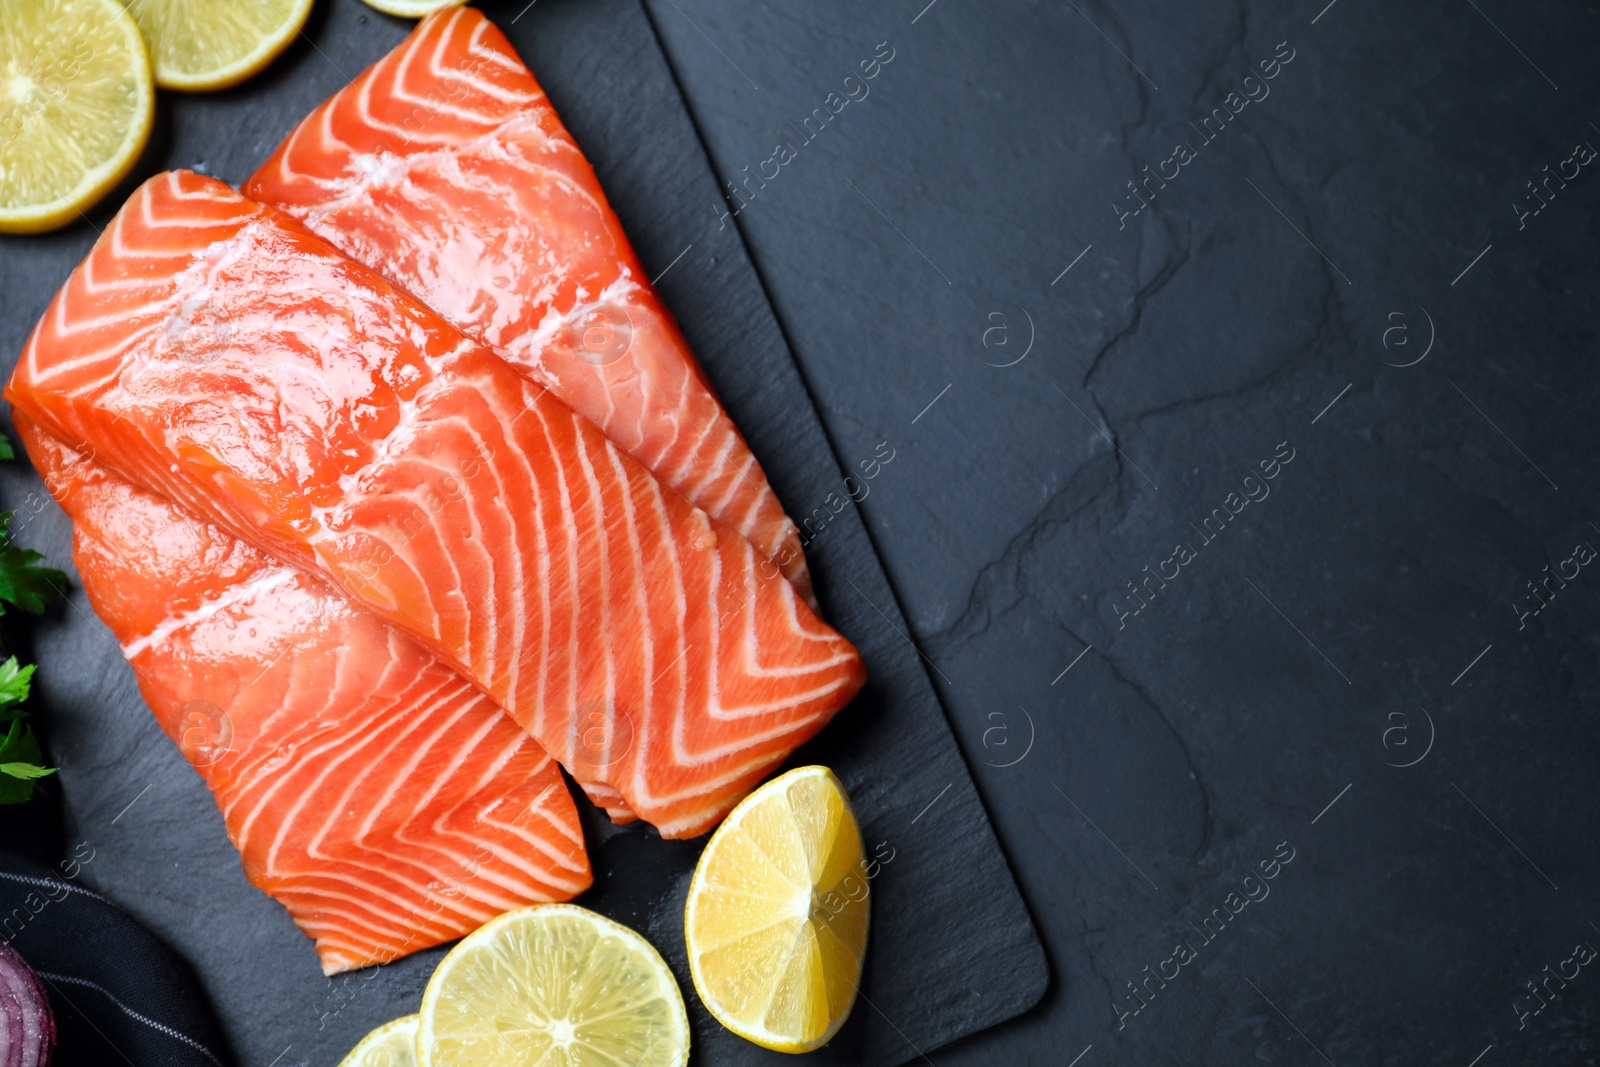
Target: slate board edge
(1038,964)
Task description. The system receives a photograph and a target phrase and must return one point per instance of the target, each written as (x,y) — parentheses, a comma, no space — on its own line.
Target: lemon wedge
(75,108)
(212,44)
(394,1044)
(553,985)
(412,9)
(776,923)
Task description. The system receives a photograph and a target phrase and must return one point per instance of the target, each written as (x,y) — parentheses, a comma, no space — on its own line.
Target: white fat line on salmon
(429,502)
(190,297)
(456,261)
(196,313)
(344,189)
(399,437)
(610,302)
(388,168)
(383,169)
(457,82)
(787,152)
(239,594)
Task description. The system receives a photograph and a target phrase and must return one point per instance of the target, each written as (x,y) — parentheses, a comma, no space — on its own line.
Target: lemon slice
(75,108)
(412,9)
(212,44)
(394,1044)
(776,923)
(553,985)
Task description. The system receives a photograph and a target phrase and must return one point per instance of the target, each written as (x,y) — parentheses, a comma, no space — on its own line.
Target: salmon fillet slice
(445,168)
(215,352)
(386,802)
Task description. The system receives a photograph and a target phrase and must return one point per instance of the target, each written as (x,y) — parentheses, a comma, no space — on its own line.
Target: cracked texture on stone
(1207,329)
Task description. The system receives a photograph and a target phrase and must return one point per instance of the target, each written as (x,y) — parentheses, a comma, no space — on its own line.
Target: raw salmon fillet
(386,802)
(445,168)
(336,423)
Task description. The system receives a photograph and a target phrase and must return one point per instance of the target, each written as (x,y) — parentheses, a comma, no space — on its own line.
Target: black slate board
(953,949)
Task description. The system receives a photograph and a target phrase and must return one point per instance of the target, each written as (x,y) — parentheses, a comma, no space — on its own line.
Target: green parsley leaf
(29,587)
(14,682)
(19,764)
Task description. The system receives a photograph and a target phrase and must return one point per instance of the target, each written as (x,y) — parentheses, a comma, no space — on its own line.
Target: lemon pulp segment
(212,44)
(76,102)
(553,985)
(777,916)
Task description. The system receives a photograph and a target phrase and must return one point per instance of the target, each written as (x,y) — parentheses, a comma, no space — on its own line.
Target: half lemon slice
(394,1044)
(212,44)
(553,985)
(75,108)
(776,923)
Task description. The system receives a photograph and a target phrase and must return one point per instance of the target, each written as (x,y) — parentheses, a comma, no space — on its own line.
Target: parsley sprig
(26,585)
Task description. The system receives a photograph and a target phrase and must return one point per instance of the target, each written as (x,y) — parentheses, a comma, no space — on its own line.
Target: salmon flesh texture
(445,168)
(215,352)
(381,798)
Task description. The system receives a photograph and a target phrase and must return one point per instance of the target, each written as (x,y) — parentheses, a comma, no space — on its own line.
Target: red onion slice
(28,1033)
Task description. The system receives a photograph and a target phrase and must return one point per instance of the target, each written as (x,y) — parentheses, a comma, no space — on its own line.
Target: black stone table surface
(1100,268)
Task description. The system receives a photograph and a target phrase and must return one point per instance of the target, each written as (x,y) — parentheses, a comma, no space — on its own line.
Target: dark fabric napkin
(120,995)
